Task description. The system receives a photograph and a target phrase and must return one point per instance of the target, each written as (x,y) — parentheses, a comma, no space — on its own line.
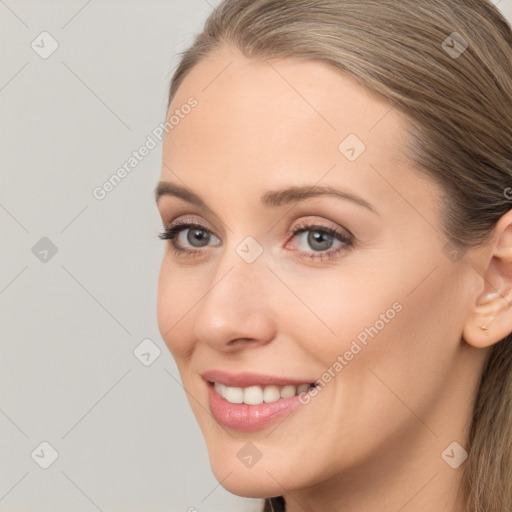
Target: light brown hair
(460,113)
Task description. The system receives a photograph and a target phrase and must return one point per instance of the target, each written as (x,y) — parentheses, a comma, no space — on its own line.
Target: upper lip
(246,379)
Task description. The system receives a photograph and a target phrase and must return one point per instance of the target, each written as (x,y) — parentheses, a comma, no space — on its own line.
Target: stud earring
(484,328)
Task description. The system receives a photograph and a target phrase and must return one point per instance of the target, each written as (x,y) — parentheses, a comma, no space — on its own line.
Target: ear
(490,317)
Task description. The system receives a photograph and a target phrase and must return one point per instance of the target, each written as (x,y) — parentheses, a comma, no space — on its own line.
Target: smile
(249,401)
(256,395)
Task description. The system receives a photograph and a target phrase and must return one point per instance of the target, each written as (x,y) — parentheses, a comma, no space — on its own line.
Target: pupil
(197,235)
(324,239)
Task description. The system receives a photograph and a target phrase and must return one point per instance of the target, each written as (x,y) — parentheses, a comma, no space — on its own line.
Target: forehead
(261,122)
(257,93)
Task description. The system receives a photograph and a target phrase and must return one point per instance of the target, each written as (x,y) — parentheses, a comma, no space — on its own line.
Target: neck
(415,478)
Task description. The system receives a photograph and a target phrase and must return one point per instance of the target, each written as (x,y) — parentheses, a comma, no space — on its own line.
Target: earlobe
(483,327)
(490,317)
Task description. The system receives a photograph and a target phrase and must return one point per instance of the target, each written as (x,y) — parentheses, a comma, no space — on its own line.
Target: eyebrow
(271,199)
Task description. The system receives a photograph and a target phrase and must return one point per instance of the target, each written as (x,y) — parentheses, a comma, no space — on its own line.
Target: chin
(249,482)
(260,477)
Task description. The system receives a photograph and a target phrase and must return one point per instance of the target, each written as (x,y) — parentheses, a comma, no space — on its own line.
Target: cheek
(398,346)
(400,300)
(345,310)
(395,325)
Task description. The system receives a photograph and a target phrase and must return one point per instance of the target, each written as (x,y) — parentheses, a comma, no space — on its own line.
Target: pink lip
(243,416)
(245,379)
(249,417)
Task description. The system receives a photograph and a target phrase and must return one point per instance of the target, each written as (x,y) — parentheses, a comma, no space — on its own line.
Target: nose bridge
(236,303)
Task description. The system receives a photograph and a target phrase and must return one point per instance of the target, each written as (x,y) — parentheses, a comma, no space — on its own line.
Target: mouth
(251,402)
(259,394)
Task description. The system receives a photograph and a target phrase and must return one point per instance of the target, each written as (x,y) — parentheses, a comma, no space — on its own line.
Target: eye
(182,233)
(320,239)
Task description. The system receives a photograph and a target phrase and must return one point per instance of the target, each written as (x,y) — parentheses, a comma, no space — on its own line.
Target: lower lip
(249,417)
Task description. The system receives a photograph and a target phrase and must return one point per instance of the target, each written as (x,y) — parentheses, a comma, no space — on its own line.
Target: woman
(337,279)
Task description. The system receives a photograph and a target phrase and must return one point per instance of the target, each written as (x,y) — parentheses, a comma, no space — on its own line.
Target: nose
(236,311)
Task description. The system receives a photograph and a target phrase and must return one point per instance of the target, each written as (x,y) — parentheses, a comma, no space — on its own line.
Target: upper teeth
(254,395)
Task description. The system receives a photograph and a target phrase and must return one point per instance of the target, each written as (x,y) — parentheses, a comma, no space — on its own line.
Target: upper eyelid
(310,225)
(186,217)
(186,221)
(303,223)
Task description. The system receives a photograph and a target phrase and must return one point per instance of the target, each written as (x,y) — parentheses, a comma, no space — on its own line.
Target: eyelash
(171,232)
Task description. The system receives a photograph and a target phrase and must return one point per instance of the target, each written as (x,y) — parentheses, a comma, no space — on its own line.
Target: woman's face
(364,299)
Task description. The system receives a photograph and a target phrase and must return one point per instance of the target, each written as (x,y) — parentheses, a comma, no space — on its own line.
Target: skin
(373,436)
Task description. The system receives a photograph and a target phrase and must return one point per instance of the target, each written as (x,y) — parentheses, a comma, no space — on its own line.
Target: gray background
(70,321)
